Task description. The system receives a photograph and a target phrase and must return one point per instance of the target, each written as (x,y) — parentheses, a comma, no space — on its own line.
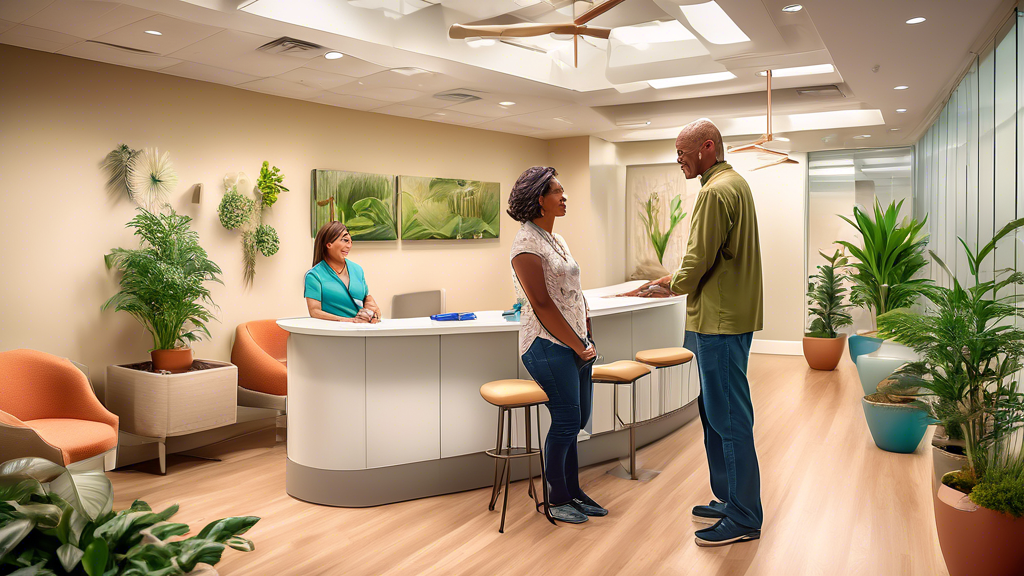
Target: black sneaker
(567,513)
(726,532)
(590,509)
(709,514)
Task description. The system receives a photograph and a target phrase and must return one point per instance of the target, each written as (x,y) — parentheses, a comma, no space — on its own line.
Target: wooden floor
(834,505)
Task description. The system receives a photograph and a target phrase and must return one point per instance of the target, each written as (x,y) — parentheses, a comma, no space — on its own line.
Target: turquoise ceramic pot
(862,345)
(895,428)
(874,369)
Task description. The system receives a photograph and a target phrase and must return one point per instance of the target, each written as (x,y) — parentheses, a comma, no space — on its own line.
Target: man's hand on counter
(659,288)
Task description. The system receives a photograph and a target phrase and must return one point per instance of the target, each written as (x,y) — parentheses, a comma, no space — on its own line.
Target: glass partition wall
(837,181)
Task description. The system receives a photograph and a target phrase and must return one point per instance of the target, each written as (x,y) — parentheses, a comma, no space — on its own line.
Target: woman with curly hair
(554,339)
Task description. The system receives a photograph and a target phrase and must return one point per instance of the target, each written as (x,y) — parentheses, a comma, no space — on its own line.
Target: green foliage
(365,203)
(449,209)
(43,533)
(163,282)
(249,256)
(266,240)
(971,353)
(1002,491)
(892,254)
(116,165)
(825,293)
(235,209)
(651,217)
(269,184)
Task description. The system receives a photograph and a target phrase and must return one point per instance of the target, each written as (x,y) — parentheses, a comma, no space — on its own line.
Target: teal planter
(895,428)
(862,345)
(874,369)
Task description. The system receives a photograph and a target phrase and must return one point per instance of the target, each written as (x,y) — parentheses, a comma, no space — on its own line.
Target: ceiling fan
(757,145)
(576,28)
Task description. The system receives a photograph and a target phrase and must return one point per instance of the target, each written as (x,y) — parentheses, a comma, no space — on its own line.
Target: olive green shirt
(721,271)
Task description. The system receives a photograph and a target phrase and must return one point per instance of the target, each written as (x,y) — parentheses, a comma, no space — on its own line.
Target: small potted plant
(971,353)
(823,344)
(163,285)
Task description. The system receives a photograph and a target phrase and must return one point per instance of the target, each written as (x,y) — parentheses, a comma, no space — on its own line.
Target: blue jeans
(570,401)
(727,416)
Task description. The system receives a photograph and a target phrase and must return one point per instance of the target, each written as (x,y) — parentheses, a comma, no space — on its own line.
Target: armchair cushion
(77,439)
(260,353)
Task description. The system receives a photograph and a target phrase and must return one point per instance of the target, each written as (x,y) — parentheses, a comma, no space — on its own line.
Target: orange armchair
(48,409)
(260,352)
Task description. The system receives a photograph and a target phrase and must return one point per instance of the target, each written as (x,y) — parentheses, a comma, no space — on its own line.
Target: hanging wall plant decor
(242,209)
(151,177)
(116,165)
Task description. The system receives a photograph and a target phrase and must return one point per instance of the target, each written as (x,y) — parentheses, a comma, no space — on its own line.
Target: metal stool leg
(508,476)
(499,463)
(620,471)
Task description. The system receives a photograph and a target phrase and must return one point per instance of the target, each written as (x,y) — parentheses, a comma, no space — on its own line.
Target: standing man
(721,275)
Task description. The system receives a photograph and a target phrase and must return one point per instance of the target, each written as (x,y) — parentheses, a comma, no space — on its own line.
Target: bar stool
(508,395)
(618,373)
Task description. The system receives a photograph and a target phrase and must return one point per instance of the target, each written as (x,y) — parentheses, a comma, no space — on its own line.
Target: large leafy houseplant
(163,281)
(971,352)
(891,256)
(54,521)
(826,297)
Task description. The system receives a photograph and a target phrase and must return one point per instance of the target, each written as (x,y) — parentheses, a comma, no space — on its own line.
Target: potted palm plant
(823,344)
(163,285)
(884,278)
(971,353)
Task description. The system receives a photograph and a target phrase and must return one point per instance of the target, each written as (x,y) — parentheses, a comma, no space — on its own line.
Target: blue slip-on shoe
(725,532)
(709,514)
(588,507)
(567,513)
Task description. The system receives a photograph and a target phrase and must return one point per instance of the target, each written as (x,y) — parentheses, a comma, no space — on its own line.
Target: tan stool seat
(621,372)
(664,357)
(513,392)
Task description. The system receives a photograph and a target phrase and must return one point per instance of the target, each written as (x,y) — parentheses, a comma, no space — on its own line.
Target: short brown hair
(328,233)
(531,185)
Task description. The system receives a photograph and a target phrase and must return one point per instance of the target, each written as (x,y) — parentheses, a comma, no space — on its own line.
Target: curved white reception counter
(392,411)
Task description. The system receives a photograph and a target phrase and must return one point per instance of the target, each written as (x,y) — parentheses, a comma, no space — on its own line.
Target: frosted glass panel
(986,152)
(1006,140)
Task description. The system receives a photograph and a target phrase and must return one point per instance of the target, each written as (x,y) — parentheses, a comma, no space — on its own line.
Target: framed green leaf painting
(449,209)
(365,203)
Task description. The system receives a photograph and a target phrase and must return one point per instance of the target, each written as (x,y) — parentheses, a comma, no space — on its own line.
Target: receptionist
(335,286)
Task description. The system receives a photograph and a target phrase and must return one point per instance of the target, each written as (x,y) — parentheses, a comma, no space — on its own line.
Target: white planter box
(163,405)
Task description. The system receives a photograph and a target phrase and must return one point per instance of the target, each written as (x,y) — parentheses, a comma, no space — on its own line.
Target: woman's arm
(530,271)
(315,311)
(370,304)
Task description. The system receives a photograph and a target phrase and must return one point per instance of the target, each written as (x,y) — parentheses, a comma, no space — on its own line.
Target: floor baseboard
(779,347)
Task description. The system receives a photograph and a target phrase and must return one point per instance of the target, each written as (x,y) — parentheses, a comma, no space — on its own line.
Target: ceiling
(399,60)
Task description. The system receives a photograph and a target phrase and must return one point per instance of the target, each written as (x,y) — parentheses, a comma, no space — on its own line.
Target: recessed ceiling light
(900,87)
(506,103)
(800,71)
(711,22)
(634,124)
(901,110)
(894,129)
(410,71)
(477,42)
(154,32)
(916,20)
(862,136)
(439,114)
(690,80)
(652,33)
(333,55)
(792,8)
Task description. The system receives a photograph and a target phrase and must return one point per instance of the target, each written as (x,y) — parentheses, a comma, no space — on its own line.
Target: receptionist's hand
(365,315)
(374,313)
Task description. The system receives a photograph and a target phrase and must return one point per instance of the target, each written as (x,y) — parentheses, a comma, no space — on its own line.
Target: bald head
(696,133)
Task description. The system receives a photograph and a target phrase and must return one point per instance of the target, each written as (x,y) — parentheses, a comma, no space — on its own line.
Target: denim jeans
(727,415)
(570,400)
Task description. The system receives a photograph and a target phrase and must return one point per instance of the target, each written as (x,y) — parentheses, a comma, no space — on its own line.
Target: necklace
(344,268)
(551,240)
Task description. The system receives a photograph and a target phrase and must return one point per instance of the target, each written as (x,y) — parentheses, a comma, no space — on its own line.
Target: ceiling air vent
(459,95)
(286,46)
(830,91)
(123,48)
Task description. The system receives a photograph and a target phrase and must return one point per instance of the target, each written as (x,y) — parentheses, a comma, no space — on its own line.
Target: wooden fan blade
(784,160)
(525,30)
(756,148)
(597,11)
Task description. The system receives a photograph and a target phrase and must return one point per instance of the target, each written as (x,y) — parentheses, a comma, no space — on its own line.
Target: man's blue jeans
(570,400)
(727,415)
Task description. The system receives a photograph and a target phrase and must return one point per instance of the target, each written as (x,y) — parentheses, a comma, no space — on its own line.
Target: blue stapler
(453,316)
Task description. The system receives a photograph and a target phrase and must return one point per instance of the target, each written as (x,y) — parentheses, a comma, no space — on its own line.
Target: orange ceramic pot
(824,353)
(174,361)
(976,541)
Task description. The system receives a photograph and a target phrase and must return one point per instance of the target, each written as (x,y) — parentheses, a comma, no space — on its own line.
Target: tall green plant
(651,218)
(163,282)
(892,254)
(971,353)
(54,521)
(826,295)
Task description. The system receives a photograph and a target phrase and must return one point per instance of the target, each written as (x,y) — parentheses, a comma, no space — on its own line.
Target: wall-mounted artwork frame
(366,203)
(656,195)
(449,209)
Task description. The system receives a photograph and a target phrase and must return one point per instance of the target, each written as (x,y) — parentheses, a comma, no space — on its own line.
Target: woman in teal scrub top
(335,286)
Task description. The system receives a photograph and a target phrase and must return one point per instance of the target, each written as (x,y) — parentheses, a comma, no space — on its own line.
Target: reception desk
(381,413)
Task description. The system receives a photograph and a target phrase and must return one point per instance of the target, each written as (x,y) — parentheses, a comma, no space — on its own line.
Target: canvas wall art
(658,222)
(449,209)
(365,203)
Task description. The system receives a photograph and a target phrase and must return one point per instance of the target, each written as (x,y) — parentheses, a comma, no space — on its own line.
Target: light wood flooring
(834,505)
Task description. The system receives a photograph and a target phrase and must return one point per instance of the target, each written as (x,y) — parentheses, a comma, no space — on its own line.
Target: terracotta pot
(945,462)
(976,541)
(174,361)
(824,353)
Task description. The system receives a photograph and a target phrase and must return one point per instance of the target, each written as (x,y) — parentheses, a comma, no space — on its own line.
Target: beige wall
(60,117)
(780,196)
